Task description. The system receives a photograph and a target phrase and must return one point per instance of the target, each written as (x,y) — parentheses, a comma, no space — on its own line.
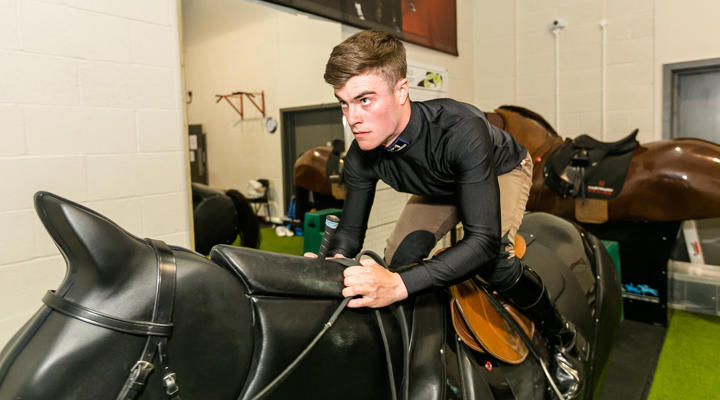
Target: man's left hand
(377,286)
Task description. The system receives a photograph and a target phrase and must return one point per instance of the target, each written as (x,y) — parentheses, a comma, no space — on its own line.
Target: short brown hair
(366,51)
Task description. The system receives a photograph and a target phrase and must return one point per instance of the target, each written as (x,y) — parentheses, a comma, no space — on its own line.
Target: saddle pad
(592,211)
(485,327)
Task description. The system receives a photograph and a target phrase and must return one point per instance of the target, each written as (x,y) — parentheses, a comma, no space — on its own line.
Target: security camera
(557,23)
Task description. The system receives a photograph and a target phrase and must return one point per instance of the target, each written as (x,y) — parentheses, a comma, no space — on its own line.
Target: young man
(459,168)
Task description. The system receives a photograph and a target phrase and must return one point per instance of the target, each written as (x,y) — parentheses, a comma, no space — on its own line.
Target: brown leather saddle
(481,327)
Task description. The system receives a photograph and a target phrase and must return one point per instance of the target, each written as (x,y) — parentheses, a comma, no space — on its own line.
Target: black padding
(608,305)
(556,242)
(351,348)
(215,218)
(265,273)
(414,248)
(427,364)
(247,220)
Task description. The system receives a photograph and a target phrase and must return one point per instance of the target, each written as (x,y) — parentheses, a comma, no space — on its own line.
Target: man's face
(373,108)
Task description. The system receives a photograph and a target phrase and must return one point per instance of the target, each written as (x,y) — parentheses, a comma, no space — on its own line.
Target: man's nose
(353,116)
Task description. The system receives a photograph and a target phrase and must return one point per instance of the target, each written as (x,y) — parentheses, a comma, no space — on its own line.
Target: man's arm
(478,199)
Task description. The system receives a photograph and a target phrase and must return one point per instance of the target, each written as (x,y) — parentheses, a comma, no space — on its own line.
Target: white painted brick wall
(157,130)
(153,44)
(61,30)
(19,297)
(79,130)
(37,79)
(90,109)
(11,119)
(630,61)
(16,244)
(8,24)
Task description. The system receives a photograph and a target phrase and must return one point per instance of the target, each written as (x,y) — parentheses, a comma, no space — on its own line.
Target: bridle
(158,330)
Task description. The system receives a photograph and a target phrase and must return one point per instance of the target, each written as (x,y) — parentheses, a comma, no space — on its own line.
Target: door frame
(670,72)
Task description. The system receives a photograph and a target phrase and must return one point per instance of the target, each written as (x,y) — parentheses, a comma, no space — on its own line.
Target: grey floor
(633,361)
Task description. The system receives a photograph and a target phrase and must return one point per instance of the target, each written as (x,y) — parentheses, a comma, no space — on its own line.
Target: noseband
(158,330)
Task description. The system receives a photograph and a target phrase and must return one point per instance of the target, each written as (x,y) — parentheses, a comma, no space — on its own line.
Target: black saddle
(589,168)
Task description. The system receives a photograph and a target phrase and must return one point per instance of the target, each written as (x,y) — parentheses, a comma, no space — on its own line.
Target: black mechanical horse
(224,328)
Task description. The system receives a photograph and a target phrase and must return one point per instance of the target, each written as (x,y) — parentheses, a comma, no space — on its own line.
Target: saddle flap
(484,326)
(266,273)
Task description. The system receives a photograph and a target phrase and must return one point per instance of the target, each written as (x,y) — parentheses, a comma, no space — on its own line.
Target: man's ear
(401,90)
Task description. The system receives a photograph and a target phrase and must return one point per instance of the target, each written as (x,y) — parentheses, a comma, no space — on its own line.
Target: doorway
(302,129)
(691,100)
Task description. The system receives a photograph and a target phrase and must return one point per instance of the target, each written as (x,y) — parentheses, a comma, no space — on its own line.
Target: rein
(341,307)
(158,330)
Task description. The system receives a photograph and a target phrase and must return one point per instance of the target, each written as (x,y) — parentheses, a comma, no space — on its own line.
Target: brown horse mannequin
(310,175)
(309,170)
(669,180)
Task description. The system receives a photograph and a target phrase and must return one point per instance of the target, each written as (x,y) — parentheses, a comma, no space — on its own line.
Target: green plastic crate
(613,248)
(315,226)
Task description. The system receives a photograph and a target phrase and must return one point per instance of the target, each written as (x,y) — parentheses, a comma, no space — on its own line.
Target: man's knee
(506,269)
(413,248)
(505,273)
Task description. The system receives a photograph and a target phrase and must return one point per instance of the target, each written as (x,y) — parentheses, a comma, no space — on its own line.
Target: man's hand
(377,286)
(313,255)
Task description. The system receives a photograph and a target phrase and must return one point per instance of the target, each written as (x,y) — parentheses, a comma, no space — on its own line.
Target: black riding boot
(566,345)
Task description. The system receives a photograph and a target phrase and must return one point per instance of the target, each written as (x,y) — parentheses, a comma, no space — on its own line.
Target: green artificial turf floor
(269,241)
(688,364)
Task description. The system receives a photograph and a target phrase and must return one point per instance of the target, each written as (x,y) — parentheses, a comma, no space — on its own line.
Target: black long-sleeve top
(448,150)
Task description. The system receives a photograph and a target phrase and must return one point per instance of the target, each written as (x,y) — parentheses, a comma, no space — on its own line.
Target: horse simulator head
(115,274)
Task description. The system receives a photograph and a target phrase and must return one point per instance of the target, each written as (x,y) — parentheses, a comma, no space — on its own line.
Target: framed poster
(428,23)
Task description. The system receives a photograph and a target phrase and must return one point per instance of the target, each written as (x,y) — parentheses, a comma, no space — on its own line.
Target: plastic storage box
(694,287)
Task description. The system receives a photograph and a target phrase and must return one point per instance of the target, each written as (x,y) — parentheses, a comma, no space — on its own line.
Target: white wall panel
(76,130)
(12,121)
(91,109)
(57,29)
(9,38)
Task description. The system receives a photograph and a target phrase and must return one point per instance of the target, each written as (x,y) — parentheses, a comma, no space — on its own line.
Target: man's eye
(365,101)
(343,104)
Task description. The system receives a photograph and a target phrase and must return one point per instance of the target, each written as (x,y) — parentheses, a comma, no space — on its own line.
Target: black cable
(404,331)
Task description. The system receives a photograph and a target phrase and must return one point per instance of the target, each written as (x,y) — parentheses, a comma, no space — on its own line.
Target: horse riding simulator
(359,199)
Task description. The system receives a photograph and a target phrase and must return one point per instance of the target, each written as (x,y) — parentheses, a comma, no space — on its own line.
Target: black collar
(411,132)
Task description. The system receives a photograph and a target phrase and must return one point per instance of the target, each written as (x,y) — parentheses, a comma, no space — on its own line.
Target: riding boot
(567,346)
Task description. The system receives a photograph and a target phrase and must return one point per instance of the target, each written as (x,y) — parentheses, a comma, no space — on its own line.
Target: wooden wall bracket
(240,95)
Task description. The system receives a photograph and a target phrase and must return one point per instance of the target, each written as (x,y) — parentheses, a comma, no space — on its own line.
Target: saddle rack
(250,96)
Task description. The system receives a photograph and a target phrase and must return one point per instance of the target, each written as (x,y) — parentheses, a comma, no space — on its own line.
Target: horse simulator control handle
(331,224)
